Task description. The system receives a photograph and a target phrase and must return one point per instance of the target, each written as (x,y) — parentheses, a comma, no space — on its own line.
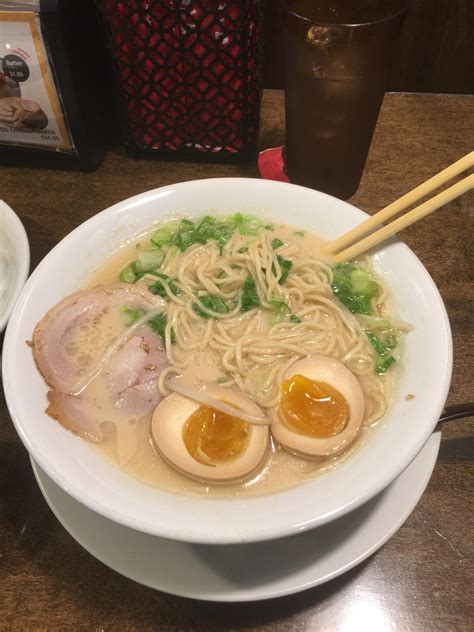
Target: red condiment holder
(189,74)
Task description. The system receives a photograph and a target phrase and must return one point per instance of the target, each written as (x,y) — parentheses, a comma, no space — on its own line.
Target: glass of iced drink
(337,59)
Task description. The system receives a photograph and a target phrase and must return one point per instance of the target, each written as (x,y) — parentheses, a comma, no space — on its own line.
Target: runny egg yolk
(212,437)
(314,409)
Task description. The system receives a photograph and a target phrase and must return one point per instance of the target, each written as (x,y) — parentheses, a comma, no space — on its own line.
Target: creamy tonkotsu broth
(233,312)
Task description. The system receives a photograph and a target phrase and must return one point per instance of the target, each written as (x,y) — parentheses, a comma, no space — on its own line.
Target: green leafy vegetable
(285,265)
(159,289)
(158,324)
(354,287)
(212,303)
(250,297)
(132,314)
(276,243)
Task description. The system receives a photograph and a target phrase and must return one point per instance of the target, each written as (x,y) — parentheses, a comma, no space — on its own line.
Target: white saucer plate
(246,572)
(14,260)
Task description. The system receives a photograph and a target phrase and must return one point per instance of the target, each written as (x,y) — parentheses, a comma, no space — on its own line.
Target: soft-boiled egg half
(206,443)
(320,408)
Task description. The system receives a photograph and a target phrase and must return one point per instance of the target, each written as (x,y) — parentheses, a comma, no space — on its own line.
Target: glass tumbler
(337,59)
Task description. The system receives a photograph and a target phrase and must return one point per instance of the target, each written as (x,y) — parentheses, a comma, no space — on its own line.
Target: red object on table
(271,164)
(189,73)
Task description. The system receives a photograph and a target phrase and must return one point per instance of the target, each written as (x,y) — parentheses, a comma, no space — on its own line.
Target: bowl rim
(188,532)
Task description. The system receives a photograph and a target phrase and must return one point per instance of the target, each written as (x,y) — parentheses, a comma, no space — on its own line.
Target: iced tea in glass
(337,59)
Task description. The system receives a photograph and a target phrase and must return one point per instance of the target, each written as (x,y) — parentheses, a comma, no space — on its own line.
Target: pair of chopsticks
(338,248)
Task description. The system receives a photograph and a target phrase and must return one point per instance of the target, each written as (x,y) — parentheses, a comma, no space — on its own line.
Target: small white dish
(14,260)
(246,572)
(425,371)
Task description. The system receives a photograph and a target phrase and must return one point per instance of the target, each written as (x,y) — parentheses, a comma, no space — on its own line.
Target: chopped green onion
(133,314)
(211,228)
(376,343)
(354,287)
(132,272)
(391,340)
(280,311)
(158,324)
(165,233)
(212,303)
(187,238)
(127,275)
(269,227)
(384,363)
(374,323)
(222,380)
(245,224)
(276,243)
(250,297)
(221,275)
(285,266)
(159,289)
(220,230)
(137,268)
(243,249)
(185,232)
(279,306)
(151,259)
(299,233)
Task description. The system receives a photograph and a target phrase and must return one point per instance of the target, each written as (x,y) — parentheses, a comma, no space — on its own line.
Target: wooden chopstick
(399,205)
(402,222)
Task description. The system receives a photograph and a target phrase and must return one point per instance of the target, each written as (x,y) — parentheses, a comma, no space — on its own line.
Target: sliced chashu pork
(133,371)
(130,374)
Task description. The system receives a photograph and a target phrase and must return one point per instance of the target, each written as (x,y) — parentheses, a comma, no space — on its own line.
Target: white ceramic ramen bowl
(92,479)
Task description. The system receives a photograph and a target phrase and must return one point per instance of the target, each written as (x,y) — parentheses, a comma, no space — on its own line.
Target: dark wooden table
(422,579)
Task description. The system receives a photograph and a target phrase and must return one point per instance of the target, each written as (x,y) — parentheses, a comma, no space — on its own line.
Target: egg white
(167,425)
(330,371)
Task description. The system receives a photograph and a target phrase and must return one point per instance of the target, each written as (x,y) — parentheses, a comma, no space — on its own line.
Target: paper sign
(30,108)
